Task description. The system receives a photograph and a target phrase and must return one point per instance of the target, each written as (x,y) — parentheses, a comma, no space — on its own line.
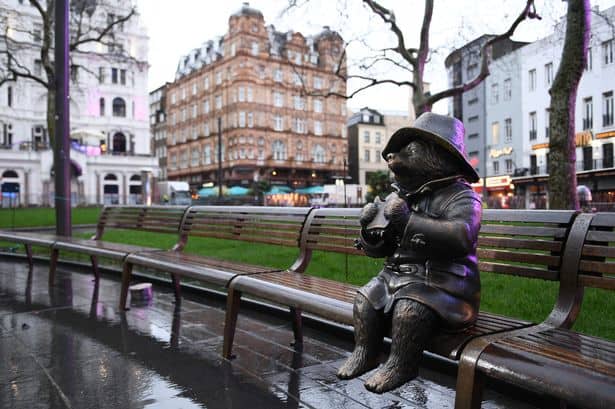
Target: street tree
(562,142)
(94,28)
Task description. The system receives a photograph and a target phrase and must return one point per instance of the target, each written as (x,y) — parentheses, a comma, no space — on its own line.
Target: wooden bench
(523,243)
(548,358)
(155,219)
(28,240)
(268,225)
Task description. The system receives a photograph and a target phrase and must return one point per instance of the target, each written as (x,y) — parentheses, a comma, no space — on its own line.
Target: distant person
(585,198)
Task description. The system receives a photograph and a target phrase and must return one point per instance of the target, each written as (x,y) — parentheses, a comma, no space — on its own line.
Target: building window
(183,113)
(532,79)
(588,159)
(206,106)
(317,105)
(318,154)
(588,113)
(277,75)
(366,154)
(378,138)
(219,78)
(183,91)
(533,165)
(473,119)
(532,126)
(548,74)
(494,93)
(547,123)
(119,107)
(101,107)
(207,155)
(496,167)
(297,79)
(607,52)
(509,166)
(317,83)
(195,156)
(607,155)
(114,75)
(317,128)
(378,156)
(366,136)
(607,109)
(507,89)
(218,102)
(279,150)
(473,136)
(250,120)
(241,94)
(299,125)
(249,94)
(590,59)
(299,103)
(277,123)
(123,77)
(242,119)
(254,48)
(194,88)
(206,129)
(508,130)
(495,133)
(206,82)
(194,111)
(278,99)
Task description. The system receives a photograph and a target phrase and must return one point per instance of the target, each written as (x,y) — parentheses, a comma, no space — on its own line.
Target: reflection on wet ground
(69,347)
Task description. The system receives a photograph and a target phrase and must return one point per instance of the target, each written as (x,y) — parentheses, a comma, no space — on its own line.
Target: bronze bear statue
(427,230)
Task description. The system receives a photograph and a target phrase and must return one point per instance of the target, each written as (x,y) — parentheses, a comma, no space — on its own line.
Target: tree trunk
(562,144)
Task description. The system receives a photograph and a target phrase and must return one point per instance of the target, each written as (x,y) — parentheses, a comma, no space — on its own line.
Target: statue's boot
(368,336)
(413,324)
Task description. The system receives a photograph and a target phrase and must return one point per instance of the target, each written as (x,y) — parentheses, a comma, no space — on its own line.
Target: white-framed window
(278,99)
(278,76)
(588,113)
(366,136)
(318,154)
(495,133)
(378,138)
(590,60)
(532,79)
(219,78)
(277,123)
(195,156)
(173,161)
(298,58)
(207,155)
(250,120)
(299,102)
(508,130)
(206,106)
(378,156)
(242,119)
(317,83)
(495,93)
(173,119)
(299,125)
(607,109)
(183,159)
(509,166)
(218,101)
(317,105)
(507,89)
(206,129)
(206,82)
(317,128)
(548,74)
(194,88)
(241,94)
(254,48)
(532,126)
(496,167)
(297,79)
(233,49)
(278,149)
(183,114)
(194,111)
(607,52)
(173,98)
(249,94)
(183,93)
(366,155)
(547,122)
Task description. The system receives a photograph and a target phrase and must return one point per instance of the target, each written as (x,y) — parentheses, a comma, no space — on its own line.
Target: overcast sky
(177,27)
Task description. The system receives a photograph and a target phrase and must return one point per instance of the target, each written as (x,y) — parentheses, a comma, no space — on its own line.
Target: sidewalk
(69,347)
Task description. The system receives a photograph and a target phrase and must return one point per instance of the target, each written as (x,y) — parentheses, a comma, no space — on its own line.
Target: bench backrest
(270,225)
(157,219)
(597,265)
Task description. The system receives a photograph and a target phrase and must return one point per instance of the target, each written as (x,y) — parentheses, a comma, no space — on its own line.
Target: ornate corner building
(270,103)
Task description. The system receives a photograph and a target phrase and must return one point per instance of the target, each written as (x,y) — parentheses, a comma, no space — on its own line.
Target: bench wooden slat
(528,216)
(517,256)
(597,267)
(515,243)
(598,251)
(522,271)
(507,229)
(606,283)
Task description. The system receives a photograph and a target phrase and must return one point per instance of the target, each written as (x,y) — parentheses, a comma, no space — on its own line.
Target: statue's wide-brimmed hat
(445,131)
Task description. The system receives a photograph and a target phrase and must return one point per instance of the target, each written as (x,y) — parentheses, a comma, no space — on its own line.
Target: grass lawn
(512,296)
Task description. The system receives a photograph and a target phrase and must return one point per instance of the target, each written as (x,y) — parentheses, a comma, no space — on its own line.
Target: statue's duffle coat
(434,262)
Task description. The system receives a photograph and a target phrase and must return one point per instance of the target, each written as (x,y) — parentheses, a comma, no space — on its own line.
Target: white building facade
(594,115)
(109,114)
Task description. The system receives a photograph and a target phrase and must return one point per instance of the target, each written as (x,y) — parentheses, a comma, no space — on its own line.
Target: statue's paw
(357,364)
(387,378)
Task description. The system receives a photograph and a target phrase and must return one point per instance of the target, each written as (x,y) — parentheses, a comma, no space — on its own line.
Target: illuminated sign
(603,135)
(540,146)
(496,153)
(583,138)
(498,181)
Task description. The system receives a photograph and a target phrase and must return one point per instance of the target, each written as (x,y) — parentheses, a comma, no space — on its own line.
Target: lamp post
(219,158)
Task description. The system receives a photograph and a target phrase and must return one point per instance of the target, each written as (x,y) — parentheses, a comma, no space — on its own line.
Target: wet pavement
(69,347)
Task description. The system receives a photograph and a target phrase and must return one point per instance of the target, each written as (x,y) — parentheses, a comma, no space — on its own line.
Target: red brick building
(266,89)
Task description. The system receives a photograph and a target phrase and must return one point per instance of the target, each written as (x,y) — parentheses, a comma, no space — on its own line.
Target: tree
(412,60)
(379,184)
(562,143)
(92,23)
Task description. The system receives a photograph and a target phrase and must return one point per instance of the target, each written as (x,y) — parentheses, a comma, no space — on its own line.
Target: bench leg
(95,269)
(126,273)
(232,310)
(469,390)
(29,256)
(297,321)
(176,288)
(53,264)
